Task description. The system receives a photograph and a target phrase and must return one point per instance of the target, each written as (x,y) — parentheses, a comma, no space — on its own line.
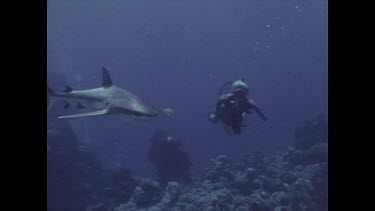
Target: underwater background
(177,54)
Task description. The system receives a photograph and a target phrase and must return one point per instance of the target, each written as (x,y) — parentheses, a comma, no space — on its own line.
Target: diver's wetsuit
(230,111)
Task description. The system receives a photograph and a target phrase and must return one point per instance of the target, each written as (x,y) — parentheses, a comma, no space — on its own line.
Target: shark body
(106,100)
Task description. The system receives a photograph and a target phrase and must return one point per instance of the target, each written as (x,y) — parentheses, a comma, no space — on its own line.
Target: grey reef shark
(106,100)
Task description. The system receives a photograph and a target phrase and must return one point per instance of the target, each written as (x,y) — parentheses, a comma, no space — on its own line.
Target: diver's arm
(214,116)
(257,109)
(220,108)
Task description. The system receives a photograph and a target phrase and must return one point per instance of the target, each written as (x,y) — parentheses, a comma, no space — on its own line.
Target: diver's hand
(213,118)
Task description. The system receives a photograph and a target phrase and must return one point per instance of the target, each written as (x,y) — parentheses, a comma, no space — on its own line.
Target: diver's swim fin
(95,113)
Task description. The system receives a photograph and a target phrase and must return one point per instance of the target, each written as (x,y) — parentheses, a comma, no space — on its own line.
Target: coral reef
(119,189)
(293,180)
(256,183)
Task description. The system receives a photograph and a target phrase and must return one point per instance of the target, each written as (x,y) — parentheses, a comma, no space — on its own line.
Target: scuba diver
(171,162)
(231,108)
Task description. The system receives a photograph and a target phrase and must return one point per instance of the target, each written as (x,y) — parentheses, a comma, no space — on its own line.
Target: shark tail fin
(168,111)
(50,100)
(50,91)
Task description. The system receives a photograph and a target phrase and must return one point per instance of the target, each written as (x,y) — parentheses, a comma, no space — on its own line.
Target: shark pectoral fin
(95,113)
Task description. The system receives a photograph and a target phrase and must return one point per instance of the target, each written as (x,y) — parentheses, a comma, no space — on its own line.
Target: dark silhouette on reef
(171,162)
(311,132)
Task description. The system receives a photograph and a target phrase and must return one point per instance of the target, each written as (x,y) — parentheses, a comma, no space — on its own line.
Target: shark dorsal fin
(68,89)
(107,82)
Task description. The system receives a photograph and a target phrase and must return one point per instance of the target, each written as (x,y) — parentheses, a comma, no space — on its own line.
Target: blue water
(177,54)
